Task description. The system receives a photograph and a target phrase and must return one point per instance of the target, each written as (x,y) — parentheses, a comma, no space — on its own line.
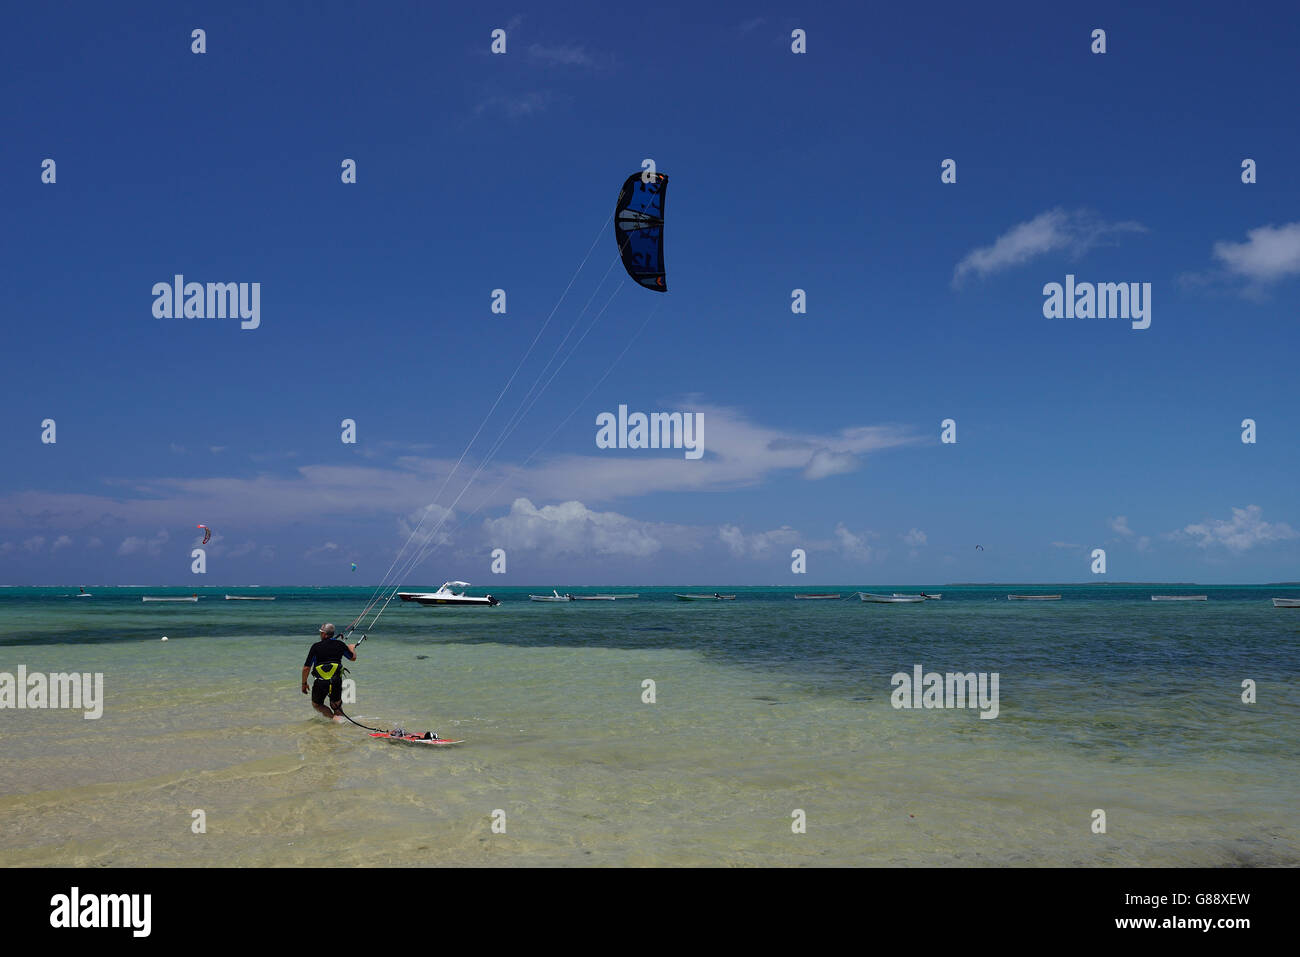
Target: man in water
(325,661)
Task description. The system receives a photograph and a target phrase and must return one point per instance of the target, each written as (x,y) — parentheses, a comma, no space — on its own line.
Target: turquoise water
(763,706)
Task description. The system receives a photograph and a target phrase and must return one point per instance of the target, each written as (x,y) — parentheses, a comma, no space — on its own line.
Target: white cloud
(63,541)
(1244,530)
(1269,253)
(758,544)
(35,543)
(561,55)
(1119,525)
(328,552)
(742,453)
(915,538)
(527,103)
(1065,545)
(572,528)
(826,462)
(853,546)
(1053,231)
(151,546)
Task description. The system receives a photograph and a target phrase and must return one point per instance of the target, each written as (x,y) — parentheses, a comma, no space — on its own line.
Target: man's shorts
(332,687)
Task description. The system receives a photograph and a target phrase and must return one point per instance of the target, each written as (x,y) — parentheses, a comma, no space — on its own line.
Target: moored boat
(714,597)
(819,597)
(890,599)
(250,598)
(1033,598)
(553,596)
(1180,597)
(191,598)
(1286,602)
(451,593)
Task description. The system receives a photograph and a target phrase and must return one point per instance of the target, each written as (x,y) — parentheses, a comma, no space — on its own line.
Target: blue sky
(818,171)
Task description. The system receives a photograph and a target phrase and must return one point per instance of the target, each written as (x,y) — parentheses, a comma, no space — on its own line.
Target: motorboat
(819,597)
(191,598)
(451,593)
(714,597)
(1033,598)
(1180,597)
(553,596)
(250,598)
(890,599)
(1286,602)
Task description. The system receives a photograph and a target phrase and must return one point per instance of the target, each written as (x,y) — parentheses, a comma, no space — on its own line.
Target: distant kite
(354,566)
(979,548)
(207,534)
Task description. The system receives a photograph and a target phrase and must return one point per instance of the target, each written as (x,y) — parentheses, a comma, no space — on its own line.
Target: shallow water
(763,706)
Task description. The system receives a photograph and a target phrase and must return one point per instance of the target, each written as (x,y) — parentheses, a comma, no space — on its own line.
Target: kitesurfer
(325,661)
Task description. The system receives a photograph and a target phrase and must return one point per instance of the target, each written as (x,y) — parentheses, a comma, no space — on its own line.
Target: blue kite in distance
(639,228)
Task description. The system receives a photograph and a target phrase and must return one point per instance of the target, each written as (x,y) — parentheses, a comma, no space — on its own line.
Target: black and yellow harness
(328,672)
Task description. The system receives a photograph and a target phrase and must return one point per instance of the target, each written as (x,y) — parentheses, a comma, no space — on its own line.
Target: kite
(639,228)
(979,548)
(354,566)
(207,533)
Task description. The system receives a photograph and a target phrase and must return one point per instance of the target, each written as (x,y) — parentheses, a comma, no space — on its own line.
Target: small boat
(593,597)
(890,599)
(1033,598)
(714,597)
(1286,602)
(926,595)
(250,598)
(1180,597)
(152,598)
(451,593)
(553,596)
(82,594)
(819,597)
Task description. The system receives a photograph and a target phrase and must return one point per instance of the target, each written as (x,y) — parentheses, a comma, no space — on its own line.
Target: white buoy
(164,637)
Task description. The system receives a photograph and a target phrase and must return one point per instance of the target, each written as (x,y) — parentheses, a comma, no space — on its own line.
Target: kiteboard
(412,738)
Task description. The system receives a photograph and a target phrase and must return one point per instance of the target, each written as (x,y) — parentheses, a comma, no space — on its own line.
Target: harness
(328,672)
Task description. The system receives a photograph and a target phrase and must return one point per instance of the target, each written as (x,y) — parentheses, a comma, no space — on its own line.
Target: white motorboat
(1286,602)
(890,599)
(1180,597)
(250,598)
(451,593)
(553,596)
(926,595)
(191,598)
(714,597)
